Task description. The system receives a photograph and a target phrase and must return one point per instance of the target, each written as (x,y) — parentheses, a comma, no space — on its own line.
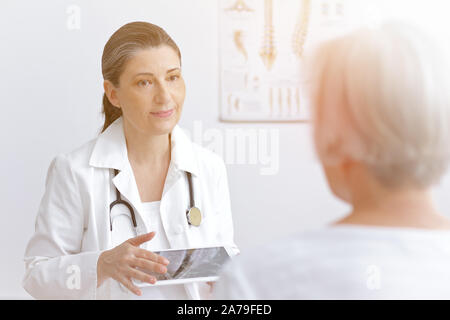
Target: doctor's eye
(144,83)
(174,77)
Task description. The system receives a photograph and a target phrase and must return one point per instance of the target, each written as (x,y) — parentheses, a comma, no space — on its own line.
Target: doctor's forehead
(152,61)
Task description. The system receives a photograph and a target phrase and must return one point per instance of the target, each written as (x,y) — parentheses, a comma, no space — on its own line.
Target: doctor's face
(151,90)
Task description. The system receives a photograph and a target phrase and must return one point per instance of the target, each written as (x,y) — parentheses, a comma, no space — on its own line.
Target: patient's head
(381,115)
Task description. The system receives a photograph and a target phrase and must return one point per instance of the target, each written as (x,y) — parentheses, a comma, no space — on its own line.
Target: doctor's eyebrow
(151,74)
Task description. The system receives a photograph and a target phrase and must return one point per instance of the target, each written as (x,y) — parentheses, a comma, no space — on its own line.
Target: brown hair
(120,48)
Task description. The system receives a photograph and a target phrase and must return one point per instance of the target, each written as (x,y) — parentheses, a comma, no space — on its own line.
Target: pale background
(51,88)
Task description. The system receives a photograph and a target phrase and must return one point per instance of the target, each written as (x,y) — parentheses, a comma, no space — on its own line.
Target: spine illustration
(268,52)
(301,29)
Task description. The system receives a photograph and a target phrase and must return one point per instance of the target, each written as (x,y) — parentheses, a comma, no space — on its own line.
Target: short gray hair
(382,96)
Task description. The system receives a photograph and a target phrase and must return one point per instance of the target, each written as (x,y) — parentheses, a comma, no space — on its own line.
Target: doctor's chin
(271,151)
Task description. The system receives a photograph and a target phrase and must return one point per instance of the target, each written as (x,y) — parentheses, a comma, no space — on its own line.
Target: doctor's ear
(111,93)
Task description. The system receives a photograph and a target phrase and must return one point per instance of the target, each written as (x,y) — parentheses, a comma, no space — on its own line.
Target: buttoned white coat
(73,222)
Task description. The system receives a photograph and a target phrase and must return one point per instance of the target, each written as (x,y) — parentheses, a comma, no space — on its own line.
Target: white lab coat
(73,222)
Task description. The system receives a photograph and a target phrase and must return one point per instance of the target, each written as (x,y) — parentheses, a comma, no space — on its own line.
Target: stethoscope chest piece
(194,216)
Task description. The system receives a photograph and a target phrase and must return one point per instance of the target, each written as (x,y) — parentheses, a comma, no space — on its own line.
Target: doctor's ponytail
(111,113)
(120,48)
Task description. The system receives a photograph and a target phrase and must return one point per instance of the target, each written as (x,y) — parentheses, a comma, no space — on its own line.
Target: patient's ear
(346,165)
(343,175)
(350,170)
(111,93)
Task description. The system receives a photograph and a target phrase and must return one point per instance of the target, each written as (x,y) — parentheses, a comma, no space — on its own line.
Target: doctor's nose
(162,94)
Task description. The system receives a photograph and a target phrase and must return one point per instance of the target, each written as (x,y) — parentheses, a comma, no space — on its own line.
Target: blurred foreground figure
(381,116)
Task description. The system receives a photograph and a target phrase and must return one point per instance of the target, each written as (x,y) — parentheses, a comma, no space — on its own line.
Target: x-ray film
(190,265)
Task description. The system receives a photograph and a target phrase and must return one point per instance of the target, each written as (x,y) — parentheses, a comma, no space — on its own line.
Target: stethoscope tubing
(119,200)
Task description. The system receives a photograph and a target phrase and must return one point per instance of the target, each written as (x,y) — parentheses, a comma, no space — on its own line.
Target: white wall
(51,89)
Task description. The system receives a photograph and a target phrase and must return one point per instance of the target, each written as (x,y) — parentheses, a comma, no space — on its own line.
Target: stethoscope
(193,214)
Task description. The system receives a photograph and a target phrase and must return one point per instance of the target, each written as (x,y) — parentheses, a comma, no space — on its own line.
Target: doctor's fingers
(145,254)
(129,285)
(149,265)
(140,275)
(137,241)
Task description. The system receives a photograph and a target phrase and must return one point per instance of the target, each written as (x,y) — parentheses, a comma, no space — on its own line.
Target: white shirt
(73,220)
(344,262)
(152,219)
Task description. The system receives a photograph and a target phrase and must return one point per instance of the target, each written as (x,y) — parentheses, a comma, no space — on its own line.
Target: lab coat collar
(110,150)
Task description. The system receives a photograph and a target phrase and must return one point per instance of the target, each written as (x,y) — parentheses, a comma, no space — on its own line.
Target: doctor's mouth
(163,113)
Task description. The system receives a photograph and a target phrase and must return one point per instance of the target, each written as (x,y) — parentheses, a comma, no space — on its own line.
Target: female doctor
(140,186)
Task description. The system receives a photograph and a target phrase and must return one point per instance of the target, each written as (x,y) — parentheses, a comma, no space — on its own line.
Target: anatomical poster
(261,50)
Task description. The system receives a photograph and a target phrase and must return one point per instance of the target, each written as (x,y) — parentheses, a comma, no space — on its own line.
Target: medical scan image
(193,263)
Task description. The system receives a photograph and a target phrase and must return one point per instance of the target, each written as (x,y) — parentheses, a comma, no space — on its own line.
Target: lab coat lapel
(182,159)
(110,151)
(183,154)
(175,197)
(125,182)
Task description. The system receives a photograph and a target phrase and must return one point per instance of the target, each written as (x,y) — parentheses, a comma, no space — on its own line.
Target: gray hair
(382,96)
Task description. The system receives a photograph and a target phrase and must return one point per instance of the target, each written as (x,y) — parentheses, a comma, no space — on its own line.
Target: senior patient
(381,101)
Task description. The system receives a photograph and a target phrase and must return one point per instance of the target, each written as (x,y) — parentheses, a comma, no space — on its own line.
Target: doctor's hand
(120,263)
